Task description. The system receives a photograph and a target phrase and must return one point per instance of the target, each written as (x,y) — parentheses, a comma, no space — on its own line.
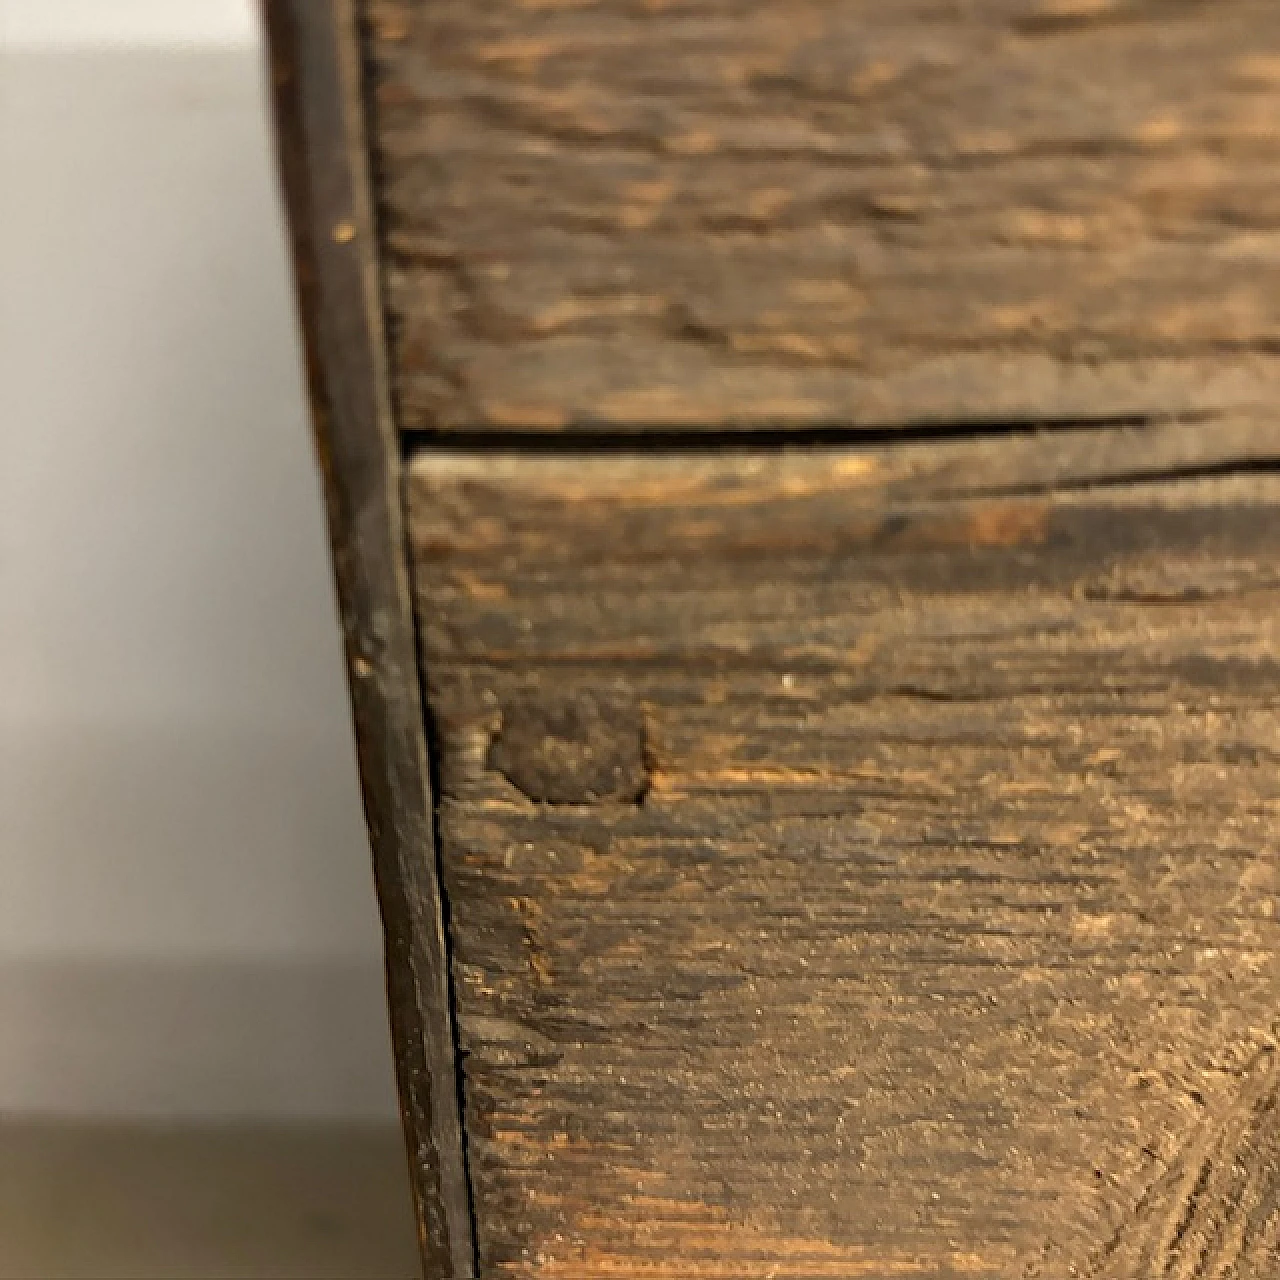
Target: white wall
(187,922)
(154,23)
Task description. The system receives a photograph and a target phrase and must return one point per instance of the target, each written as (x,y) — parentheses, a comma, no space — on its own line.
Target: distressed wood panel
(863,862)
(711,213)
(316,94)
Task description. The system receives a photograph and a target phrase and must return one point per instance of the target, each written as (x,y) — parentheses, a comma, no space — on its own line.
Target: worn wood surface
(316,84)
(863,862)
(711,213)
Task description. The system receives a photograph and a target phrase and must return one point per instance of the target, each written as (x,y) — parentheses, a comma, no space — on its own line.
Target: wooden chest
(803,483)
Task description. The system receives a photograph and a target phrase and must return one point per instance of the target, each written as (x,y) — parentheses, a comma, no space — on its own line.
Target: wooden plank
(863,862)
(619,214)
(316,85)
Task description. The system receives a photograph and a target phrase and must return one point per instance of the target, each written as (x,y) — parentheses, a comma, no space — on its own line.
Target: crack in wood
(1214,1213)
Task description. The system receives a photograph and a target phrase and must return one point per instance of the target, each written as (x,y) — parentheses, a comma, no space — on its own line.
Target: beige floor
(120,1203)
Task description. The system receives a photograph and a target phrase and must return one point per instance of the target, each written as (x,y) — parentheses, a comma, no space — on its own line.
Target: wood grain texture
(316,87)
(863,862)
(711,213)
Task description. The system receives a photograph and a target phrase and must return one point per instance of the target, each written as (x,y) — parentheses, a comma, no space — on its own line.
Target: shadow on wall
(105,1202)
(187,920)
(159,1041)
